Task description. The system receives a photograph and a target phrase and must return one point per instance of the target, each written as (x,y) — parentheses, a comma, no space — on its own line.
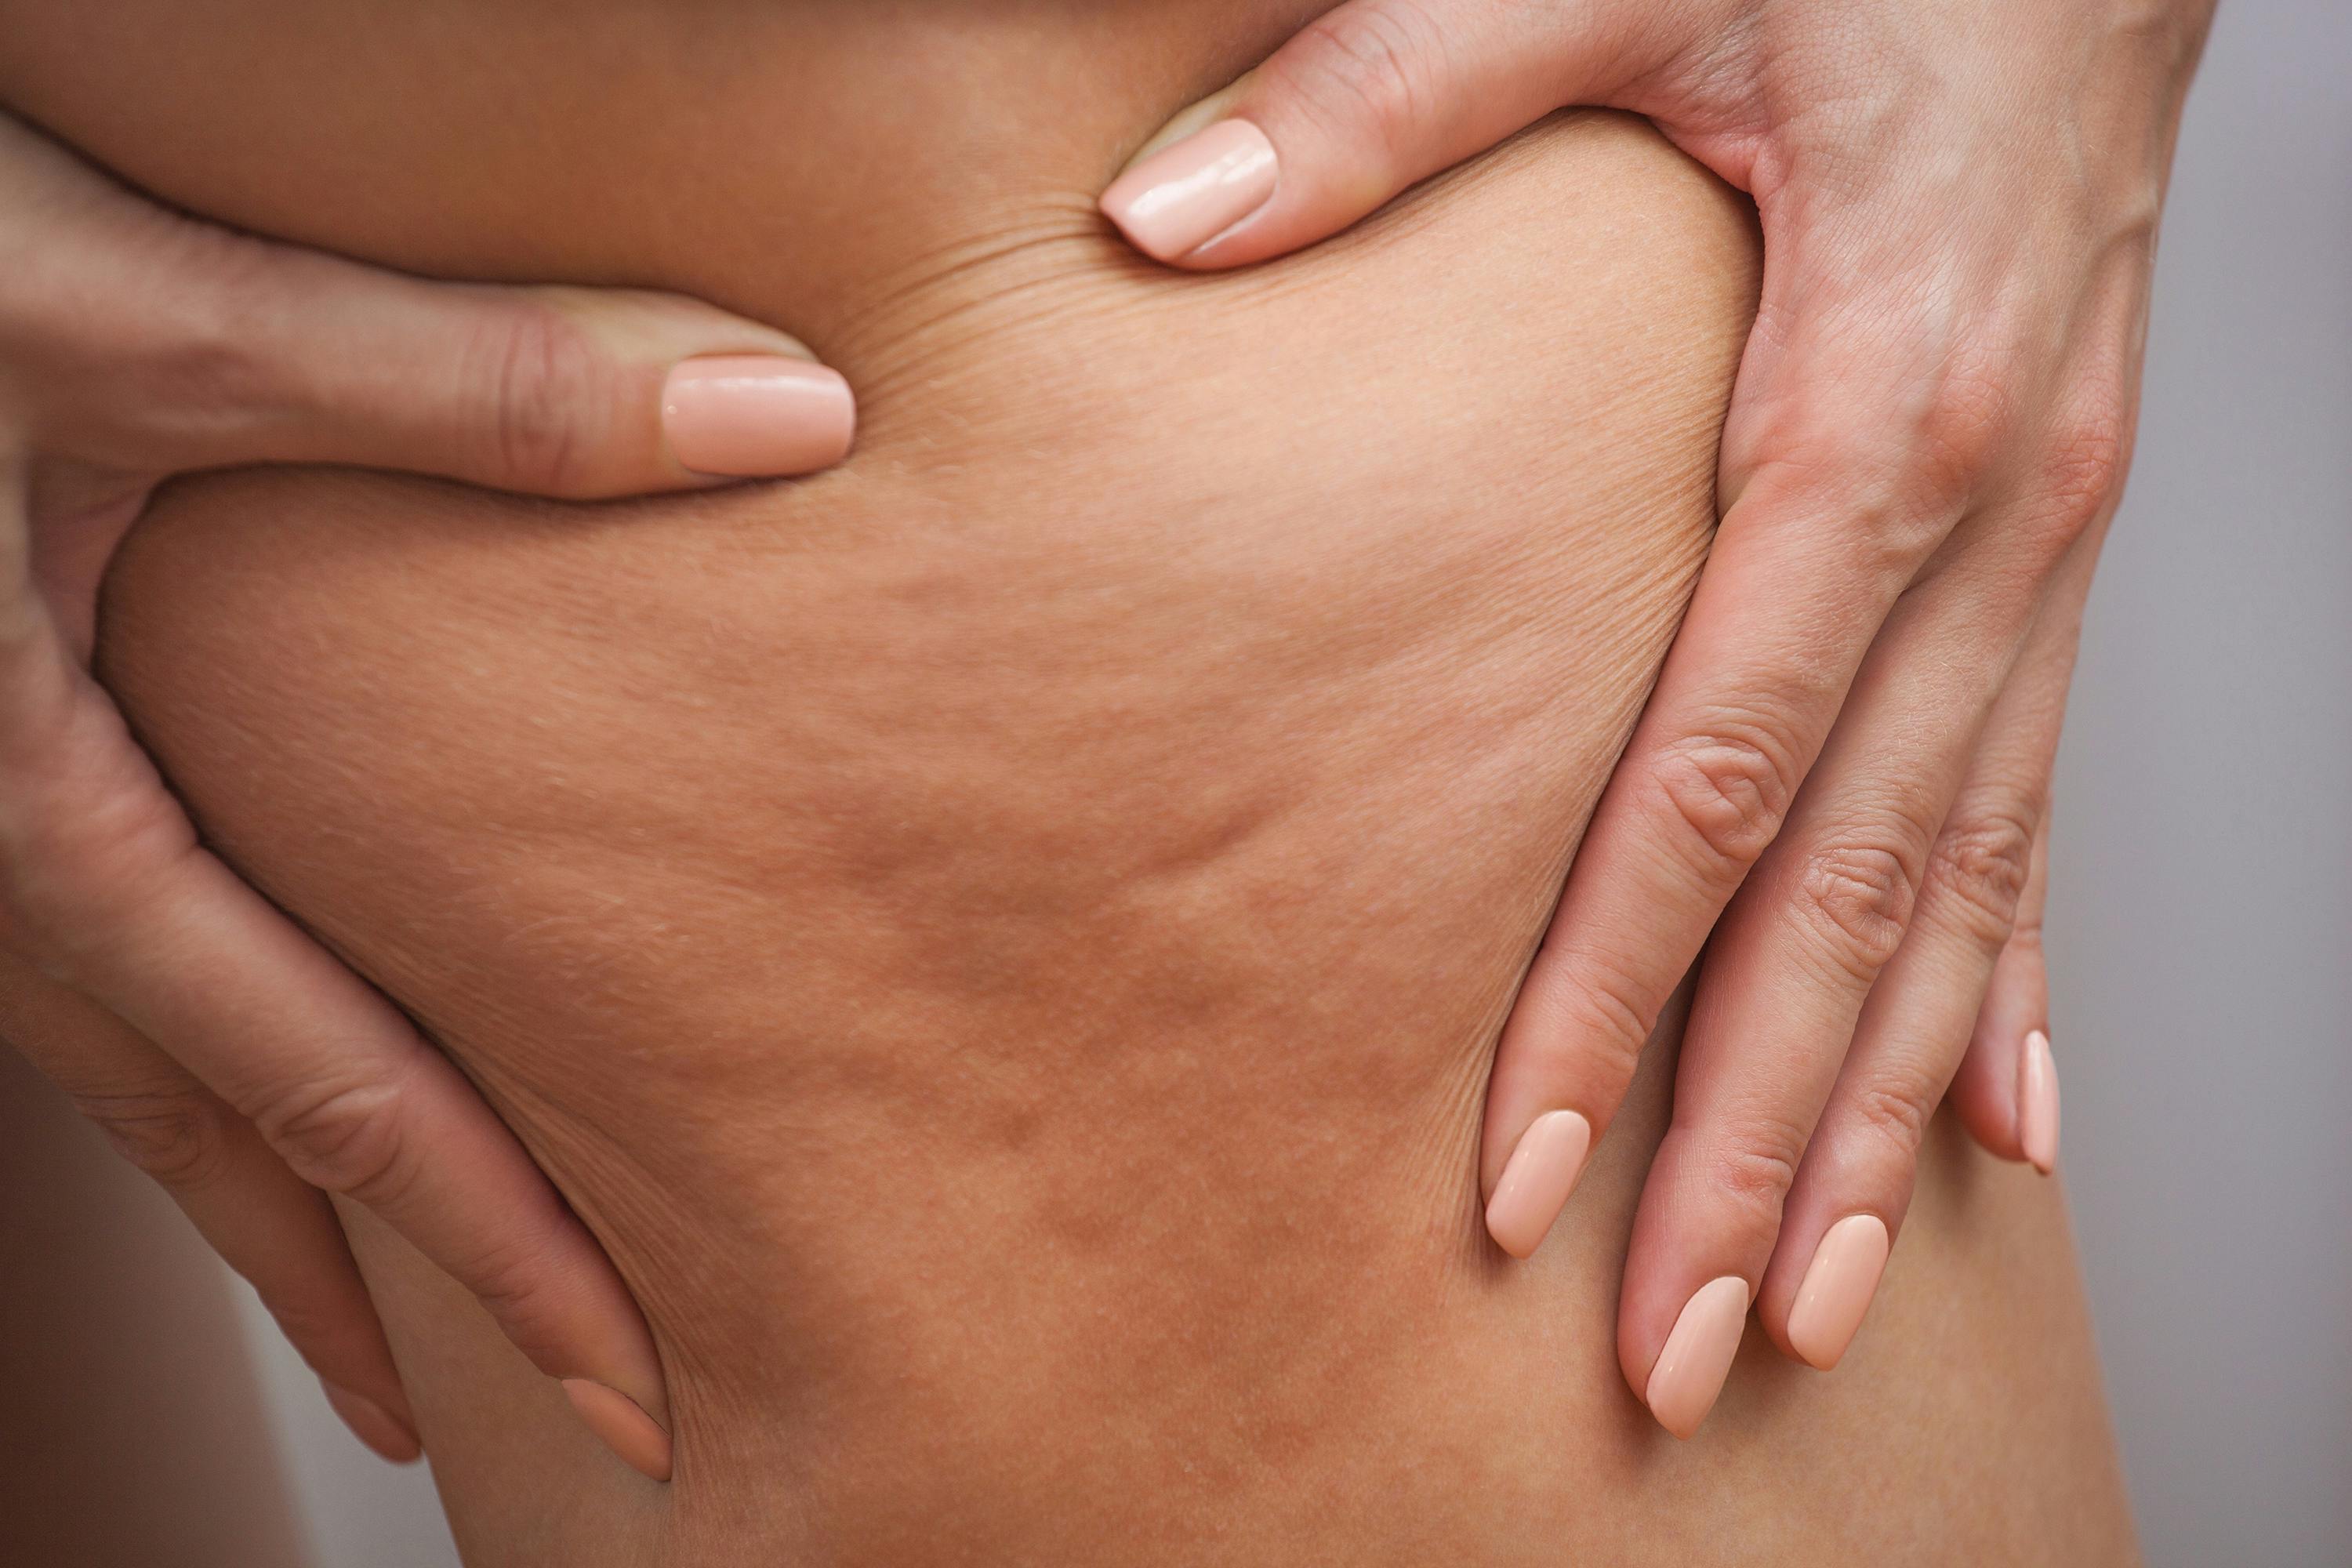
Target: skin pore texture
(1004,941)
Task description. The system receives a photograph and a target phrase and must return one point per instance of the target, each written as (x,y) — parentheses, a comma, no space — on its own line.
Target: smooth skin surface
(1003,942)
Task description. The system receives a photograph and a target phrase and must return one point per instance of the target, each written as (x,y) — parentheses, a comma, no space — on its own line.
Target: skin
(122,1356)
(222,1051)
(1841,781)
(218,1085)
(964,934)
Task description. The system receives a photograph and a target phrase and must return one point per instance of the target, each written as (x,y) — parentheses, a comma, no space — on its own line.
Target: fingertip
(621,1424)
(1688,1376)
(1839,1285)
(1536,1180)
(1173,202)
(736,416)
(2037,1103)
(392,1436)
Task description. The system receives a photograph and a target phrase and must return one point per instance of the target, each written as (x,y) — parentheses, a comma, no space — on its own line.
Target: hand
(1843,772)
(228,1055)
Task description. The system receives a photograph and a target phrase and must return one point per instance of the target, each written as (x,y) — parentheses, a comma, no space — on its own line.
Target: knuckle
(172,1135)
(1607,1020)
(1730,789)
(511,1286)
(1894,1115)
(1859,897)
(547,380)
(2082,473)
(1892,500)
(1368,66)
(1963,428)
(78,860)
(1982,864)
(1755,1166)
(342,1136)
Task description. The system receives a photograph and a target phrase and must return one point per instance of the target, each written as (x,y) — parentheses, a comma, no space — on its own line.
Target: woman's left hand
(227,1053)
(1841,780)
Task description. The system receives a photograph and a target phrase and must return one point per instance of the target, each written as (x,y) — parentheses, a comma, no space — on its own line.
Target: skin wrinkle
(1003,940)
(1163,905)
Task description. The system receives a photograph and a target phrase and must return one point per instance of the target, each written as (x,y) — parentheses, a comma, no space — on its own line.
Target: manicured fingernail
(2037,1103)
(1536,1183)
(379,1428)
(1698,1355)
(622,1424)
(1186,195)
(1839,1284)
(757,415)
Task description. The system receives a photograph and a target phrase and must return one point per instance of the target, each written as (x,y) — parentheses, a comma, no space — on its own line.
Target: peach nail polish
(1839,1284)
(757,415)
(1186,195)
(1536,1180)
(379,1428)
(2037,1103)
(1690,1371)
(624,1426)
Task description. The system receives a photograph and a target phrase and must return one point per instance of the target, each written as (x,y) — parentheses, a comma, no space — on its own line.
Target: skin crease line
(1003,940)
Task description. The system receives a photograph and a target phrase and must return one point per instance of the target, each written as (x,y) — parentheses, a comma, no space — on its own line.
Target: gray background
(2201,919)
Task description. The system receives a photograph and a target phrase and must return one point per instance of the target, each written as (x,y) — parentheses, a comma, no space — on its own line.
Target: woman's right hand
(226,1053)
(1831,803)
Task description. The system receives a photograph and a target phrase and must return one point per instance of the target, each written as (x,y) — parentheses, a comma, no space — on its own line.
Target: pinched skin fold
(1003,940)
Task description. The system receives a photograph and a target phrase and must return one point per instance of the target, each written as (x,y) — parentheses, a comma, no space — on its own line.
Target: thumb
(572,393)
(142,342)
(1368,100)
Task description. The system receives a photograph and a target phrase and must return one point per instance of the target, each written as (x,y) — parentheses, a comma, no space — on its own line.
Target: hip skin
(1004,941)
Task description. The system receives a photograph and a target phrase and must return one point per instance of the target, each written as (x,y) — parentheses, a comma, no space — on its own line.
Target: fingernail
(1699,1354)
(2037,1103)
(1839,1284)
(379,1428)
(624,1426)
(1536,1180)
(757,415)
(1186,195)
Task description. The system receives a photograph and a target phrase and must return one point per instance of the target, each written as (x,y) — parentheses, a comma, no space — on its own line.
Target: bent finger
(1982,887)
(274,1229)
(2006,1091)
(1790,968)
(1851,1192)
(105,872)
(1783,617)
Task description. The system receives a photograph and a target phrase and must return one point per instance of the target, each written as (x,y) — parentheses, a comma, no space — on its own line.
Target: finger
(1784,611)
(1854,1185)
(273,1228)
(569,392)
(2006,1091)
(1791,965)
(104,872)
(1863,429)
(1366,100)
(163,344)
